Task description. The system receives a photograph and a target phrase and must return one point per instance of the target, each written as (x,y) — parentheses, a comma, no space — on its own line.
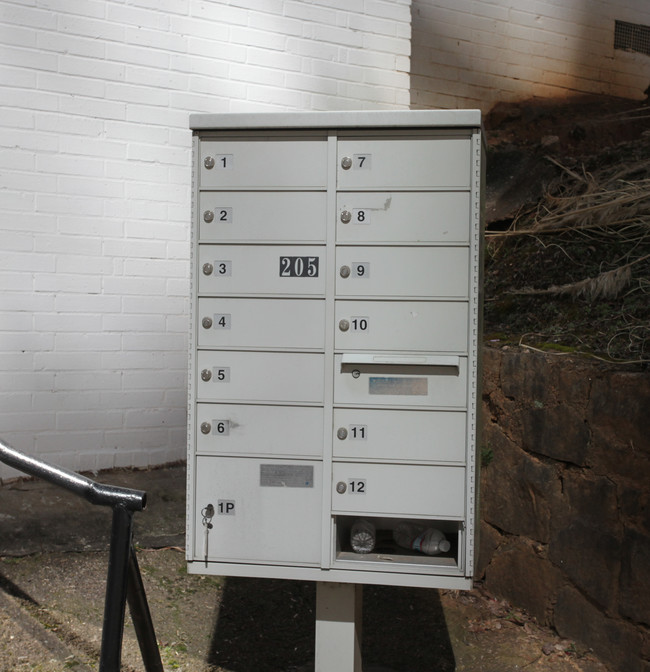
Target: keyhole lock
(356,373)
(208,216)
(341,487)
(206,322)
(346,216)
(206,427)
(344,325)
(208,268)
(342,433)
(345,271)
(208,162)
(346,163)
(206,374)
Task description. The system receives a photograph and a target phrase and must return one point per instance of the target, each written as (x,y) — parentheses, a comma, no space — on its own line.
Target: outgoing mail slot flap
(273,216)
(402,271)
(438,382)
(262,163)
(398,490)
(261,323)
(405,163)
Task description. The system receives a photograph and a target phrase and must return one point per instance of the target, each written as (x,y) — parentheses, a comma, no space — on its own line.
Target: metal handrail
(124,581)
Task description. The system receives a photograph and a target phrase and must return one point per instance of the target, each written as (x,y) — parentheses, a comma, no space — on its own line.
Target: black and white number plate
(299,267)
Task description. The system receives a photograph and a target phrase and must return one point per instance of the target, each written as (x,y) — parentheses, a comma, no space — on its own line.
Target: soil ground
(568,227)
(53,564)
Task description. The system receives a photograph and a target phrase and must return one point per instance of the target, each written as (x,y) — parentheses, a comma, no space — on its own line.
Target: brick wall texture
(95,176)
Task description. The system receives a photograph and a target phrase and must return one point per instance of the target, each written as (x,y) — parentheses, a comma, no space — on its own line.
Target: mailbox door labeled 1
(262,510)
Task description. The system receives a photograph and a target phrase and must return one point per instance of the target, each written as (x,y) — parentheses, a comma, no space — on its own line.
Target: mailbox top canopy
(336,119)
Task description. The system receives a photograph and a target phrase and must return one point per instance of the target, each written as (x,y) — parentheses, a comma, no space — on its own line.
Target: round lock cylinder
(345,271)
(346,216)
(206,322)
(208,216)
(342,433)
(206,374)
(341,487)
(207,269)
(356,373)
(208,162)
(346,163)
(206,427)
(344,325)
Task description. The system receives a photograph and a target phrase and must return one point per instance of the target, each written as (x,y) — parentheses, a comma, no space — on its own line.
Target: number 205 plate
(299,267)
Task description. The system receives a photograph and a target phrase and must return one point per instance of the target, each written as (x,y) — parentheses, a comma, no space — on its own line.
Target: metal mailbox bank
(334,349)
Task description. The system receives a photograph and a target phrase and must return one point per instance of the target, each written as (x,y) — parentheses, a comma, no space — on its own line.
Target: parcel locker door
(423,326)
(398,490)
(272,216)
(428,272)
(422,381)
(261,323)
(403,217)
(264,163)
(404,163)
(265,377)
(261,269)
(399,436)
(247,429)
(264,510)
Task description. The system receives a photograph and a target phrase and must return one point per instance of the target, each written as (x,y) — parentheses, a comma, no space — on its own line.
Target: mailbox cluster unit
(334,344)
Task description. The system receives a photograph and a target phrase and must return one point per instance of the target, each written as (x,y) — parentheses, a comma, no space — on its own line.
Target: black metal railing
(124,581)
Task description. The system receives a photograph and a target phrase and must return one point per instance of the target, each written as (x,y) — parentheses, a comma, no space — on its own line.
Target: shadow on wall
(268,625)
(504,52)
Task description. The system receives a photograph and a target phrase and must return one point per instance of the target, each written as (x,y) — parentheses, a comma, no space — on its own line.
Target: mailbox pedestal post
(338,627)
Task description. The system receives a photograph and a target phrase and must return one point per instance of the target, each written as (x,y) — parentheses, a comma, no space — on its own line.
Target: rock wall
(565,498)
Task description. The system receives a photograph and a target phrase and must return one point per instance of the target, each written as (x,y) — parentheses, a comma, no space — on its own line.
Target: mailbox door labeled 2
(398,490)
(261,270)
(262,510)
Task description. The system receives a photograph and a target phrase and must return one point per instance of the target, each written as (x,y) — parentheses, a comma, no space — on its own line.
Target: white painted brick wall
(95,192)
(474,53)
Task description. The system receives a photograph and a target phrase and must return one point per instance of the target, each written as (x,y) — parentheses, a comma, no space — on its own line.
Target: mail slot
(259,505)
(400,380)
(432,272)
(397,489)
(259,376)
(284,324)
(403,217)
(263,163)
(404,163)
(262,216)
(425,326)
(400,436)
(248,429)
(262,270)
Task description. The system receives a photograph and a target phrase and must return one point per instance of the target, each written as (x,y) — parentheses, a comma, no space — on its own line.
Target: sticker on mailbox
(299,267)
(226,507)
(394,385)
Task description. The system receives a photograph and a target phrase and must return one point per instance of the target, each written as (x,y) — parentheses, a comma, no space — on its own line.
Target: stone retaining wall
(565,498)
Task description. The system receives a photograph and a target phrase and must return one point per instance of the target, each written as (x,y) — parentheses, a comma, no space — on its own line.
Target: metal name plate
(286,476)
(404,386)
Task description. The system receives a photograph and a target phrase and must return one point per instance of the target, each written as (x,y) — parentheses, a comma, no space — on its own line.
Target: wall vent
(632,37)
